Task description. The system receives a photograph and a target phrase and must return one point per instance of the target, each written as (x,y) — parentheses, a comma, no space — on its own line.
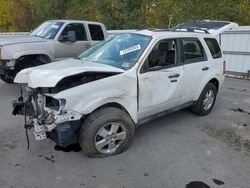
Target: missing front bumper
(65,134)
(60,126)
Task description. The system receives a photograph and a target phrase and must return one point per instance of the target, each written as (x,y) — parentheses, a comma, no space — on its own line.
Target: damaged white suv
(99,98)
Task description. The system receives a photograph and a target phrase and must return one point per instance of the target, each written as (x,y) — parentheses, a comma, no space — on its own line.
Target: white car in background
(214,27)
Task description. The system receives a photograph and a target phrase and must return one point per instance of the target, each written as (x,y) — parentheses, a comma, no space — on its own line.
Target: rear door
(96,33)
(160,79)
(196,66)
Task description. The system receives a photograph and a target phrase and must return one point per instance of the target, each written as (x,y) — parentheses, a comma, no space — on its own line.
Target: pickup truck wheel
(22,63)
(6,78)
(206,100)
(105,132)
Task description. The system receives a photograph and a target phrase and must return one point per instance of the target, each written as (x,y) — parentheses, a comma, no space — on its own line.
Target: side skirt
(160,114)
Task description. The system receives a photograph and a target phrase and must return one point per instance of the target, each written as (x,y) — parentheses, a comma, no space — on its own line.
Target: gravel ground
(176,151)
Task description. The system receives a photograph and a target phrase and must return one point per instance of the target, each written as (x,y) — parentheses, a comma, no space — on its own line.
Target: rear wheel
(206,100)
(105,132)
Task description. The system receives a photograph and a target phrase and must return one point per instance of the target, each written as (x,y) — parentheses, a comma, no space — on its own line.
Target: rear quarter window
(213,47)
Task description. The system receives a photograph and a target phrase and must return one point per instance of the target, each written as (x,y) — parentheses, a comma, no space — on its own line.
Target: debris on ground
(218,182)
(236,137)
(240,110)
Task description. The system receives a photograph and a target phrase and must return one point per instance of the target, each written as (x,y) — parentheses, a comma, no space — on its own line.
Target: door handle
(175,80)
(174,76)
(205,68)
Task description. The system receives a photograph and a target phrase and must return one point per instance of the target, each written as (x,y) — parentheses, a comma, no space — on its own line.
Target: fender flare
(206,81)
(36,52)
(94,105)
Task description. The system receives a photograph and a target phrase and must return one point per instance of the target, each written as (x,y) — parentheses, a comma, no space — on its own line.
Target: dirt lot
(178,150)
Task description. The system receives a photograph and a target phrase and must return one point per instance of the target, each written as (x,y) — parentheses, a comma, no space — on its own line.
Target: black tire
(6,79)
(199,108)
(97,120)
(21,64)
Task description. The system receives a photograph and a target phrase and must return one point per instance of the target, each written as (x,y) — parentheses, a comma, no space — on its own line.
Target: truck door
(66,49)
(96,33)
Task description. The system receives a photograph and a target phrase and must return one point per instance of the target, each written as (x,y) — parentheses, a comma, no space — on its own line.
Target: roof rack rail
(190,29)
(178,29)
(154,29)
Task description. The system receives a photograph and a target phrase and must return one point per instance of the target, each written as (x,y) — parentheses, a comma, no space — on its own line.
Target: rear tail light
(224,67)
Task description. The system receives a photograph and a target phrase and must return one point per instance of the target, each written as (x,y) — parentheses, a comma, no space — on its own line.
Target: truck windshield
(47,30)
(121,51)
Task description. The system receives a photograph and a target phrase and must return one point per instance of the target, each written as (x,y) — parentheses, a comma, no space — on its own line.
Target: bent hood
(9,40)
(50,74)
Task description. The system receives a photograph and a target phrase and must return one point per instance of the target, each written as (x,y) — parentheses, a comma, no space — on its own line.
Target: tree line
(24,15)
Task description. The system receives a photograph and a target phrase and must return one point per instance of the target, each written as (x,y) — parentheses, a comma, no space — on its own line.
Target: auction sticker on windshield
(130,49)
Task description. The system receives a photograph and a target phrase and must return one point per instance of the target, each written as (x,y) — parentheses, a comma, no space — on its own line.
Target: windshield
(121,51)
(47,30)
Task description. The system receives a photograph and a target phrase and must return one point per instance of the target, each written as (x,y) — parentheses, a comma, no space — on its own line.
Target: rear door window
(213,47)
(192,50)
(96,32)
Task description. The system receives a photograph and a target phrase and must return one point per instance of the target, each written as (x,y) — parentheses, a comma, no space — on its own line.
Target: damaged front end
(47,116)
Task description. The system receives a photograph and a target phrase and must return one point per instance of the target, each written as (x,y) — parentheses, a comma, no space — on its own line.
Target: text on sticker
(130,49)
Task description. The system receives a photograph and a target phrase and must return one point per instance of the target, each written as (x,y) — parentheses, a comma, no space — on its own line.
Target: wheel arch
(45,57)
(214,81)
(115,105)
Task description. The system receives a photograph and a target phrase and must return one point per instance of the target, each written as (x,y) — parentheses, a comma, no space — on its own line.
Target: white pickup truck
(51,41)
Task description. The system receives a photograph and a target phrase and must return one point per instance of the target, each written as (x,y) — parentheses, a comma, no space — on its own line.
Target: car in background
(51,41)
(214,27)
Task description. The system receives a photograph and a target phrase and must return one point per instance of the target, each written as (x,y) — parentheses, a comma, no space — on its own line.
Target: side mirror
(70,37)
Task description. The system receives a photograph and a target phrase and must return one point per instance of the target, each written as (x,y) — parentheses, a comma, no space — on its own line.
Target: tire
(6,79)
(93,132)
(27,62)
(201,107)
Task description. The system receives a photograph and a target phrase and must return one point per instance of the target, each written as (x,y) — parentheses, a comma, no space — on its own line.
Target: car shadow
(171,120)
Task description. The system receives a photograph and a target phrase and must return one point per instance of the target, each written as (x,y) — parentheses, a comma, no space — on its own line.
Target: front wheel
(105,132)
(6,78)
(206,100)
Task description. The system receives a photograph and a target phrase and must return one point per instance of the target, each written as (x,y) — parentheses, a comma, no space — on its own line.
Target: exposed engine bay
(46,115)
(78,79)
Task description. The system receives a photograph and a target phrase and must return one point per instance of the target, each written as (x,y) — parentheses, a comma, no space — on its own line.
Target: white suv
(99,98)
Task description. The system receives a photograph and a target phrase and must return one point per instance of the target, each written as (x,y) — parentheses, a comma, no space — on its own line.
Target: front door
(160,79)
(66,49)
